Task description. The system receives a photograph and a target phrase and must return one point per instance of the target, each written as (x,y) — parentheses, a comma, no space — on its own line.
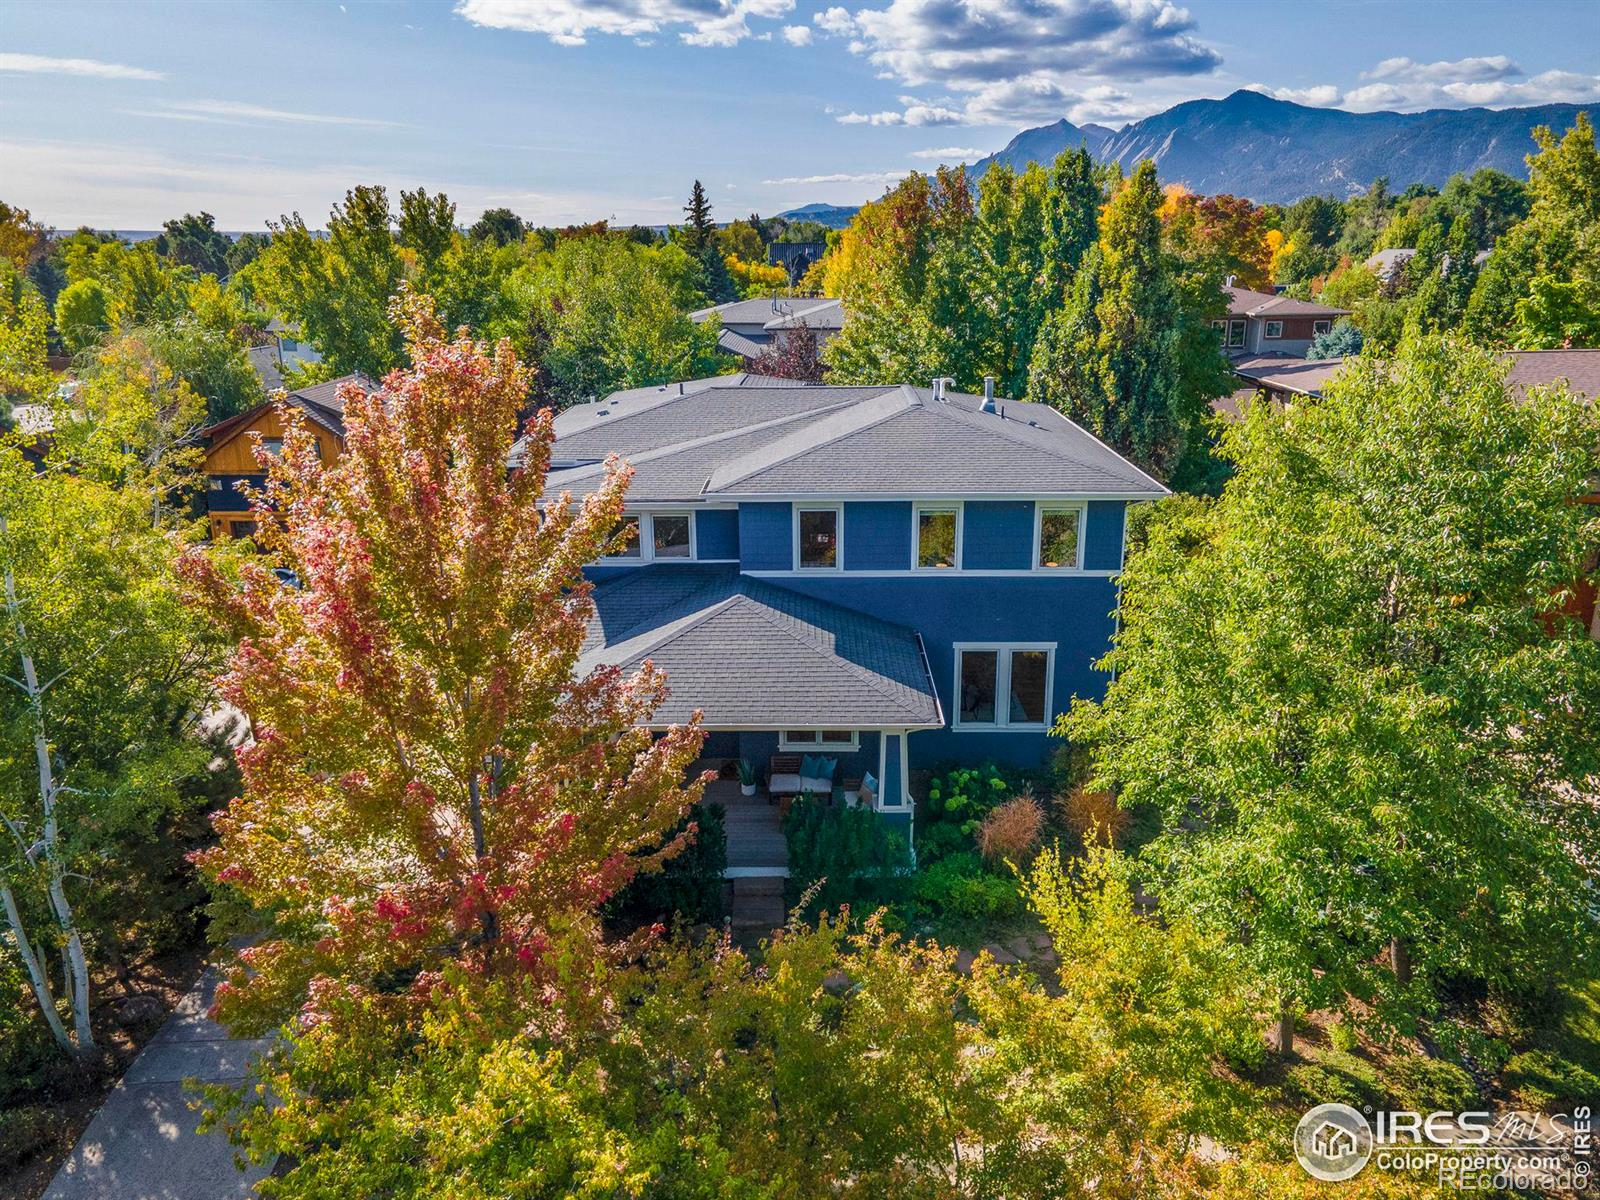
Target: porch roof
(750,654)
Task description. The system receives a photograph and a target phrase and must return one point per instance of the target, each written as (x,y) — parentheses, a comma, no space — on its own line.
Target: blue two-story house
(895,576)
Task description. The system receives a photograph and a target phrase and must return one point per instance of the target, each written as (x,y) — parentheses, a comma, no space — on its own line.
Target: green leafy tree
(336,290)
(103,687)
(1540,287)
(1346,687)
(24,328)
(500,226)
(193,241)
(416,704)
(1131,357)
(1448,273)
(427,228)
(211,364)
(83,314)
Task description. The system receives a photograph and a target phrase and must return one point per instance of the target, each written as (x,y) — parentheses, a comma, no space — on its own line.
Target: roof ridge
(833,411)
(975,420)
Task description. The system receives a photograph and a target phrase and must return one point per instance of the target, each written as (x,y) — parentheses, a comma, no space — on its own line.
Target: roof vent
(680,388)
(938,388)
(1231,278)
(988,395)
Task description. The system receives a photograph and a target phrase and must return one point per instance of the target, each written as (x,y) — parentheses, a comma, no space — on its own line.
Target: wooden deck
(756,846)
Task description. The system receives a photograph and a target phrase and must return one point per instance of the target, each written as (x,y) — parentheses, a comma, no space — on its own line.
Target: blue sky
(122,115)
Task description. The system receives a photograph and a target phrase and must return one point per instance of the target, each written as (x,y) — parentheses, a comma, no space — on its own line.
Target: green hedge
(689,886)
(851,854)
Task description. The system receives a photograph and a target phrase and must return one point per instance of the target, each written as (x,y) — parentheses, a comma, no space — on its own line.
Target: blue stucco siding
(997,535)
(877,536)
(716,533)
(1075,612)
(1102,539)
(766,537)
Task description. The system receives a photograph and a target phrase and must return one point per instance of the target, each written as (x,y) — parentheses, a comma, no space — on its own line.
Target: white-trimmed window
(1058,537)
(936,537)
(1318,327)
(818,537)
(655,537)
(1003,685)
(819,739)
(1273,330)
(1230,332)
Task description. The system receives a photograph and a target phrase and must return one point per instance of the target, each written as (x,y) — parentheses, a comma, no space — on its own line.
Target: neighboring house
(293,350)
(795,257)
(749,327)
(230,454)
(893,576)
(1262,323)
(1277,376)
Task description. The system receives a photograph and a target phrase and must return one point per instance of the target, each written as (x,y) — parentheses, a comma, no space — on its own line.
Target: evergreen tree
(699,233)
(1122,357)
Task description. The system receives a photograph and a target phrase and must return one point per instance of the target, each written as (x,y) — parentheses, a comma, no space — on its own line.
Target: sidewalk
(142,1144)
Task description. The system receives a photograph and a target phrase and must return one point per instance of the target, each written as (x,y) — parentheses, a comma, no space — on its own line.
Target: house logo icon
(1333,1142)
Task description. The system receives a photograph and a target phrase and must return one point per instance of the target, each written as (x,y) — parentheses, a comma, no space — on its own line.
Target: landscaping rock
(141,1010)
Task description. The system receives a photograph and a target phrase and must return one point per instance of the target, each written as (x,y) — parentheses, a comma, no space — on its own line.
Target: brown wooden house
(230,450)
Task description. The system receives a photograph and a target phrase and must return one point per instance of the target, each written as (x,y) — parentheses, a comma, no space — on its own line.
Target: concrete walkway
(142,1144)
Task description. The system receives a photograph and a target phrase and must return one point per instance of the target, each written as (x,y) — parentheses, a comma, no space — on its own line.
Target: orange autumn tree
(431,783)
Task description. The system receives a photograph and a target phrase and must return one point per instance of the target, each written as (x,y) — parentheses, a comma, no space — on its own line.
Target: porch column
(892,769)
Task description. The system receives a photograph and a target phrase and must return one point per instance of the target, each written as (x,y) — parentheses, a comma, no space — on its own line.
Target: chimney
(988,395)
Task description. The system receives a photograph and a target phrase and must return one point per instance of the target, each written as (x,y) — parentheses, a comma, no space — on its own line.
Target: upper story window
(654,537)
(273,446)
(938,531)
(817,538)
(1274,329)
(1230,332)
(1001,686)
(1058,538)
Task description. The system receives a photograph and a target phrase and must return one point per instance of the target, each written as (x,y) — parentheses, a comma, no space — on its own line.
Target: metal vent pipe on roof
(938,388)
(988,395)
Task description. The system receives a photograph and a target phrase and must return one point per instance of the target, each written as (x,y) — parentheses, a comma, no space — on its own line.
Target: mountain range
(1275,151)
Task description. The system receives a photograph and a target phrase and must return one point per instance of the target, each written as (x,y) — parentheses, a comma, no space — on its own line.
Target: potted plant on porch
(747,777)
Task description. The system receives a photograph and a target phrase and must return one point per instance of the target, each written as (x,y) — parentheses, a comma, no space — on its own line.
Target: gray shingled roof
(754,436)
(820,312)
(1242,302)
(750,653)
(730,342)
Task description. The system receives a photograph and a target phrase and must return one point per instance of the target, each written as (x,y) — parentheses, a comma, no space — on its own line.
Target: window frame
(1002,687)
(936,506)
(838,536)
(785,743)
(1321,327)
(1040,507)
(647,539)
(1268,335)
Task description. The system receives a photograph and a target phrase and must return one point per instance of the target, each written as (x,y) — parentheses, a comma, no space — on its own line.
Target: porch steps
(755,905)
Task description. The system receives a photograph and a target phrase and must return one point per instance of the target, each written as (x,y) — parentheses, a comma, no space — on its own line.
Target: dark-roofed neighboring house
(1262,323)
(750,327)
(890,577)
(230,458)
(796,257)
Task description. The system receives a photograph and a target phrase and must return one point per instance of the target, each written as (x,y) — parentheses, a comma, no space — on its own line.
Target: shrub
(1083,812)
(1462,1043)
(859,860)
(689,885)
(959,889)
(1011,831)
(1311,1084)
(966,794)
(1425,1084)
(1342,1036)
(940,839)
(1541,1080)
(24,1131)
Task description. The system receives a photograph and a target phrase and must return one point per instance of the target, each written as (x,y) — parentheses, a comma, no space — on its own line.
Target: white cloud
(1012,61)
(571,22)
(861,177)
(1405,85)
(950,153)
(916,113)
(797,35)
(39,64)
(229,112)
(119,186)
